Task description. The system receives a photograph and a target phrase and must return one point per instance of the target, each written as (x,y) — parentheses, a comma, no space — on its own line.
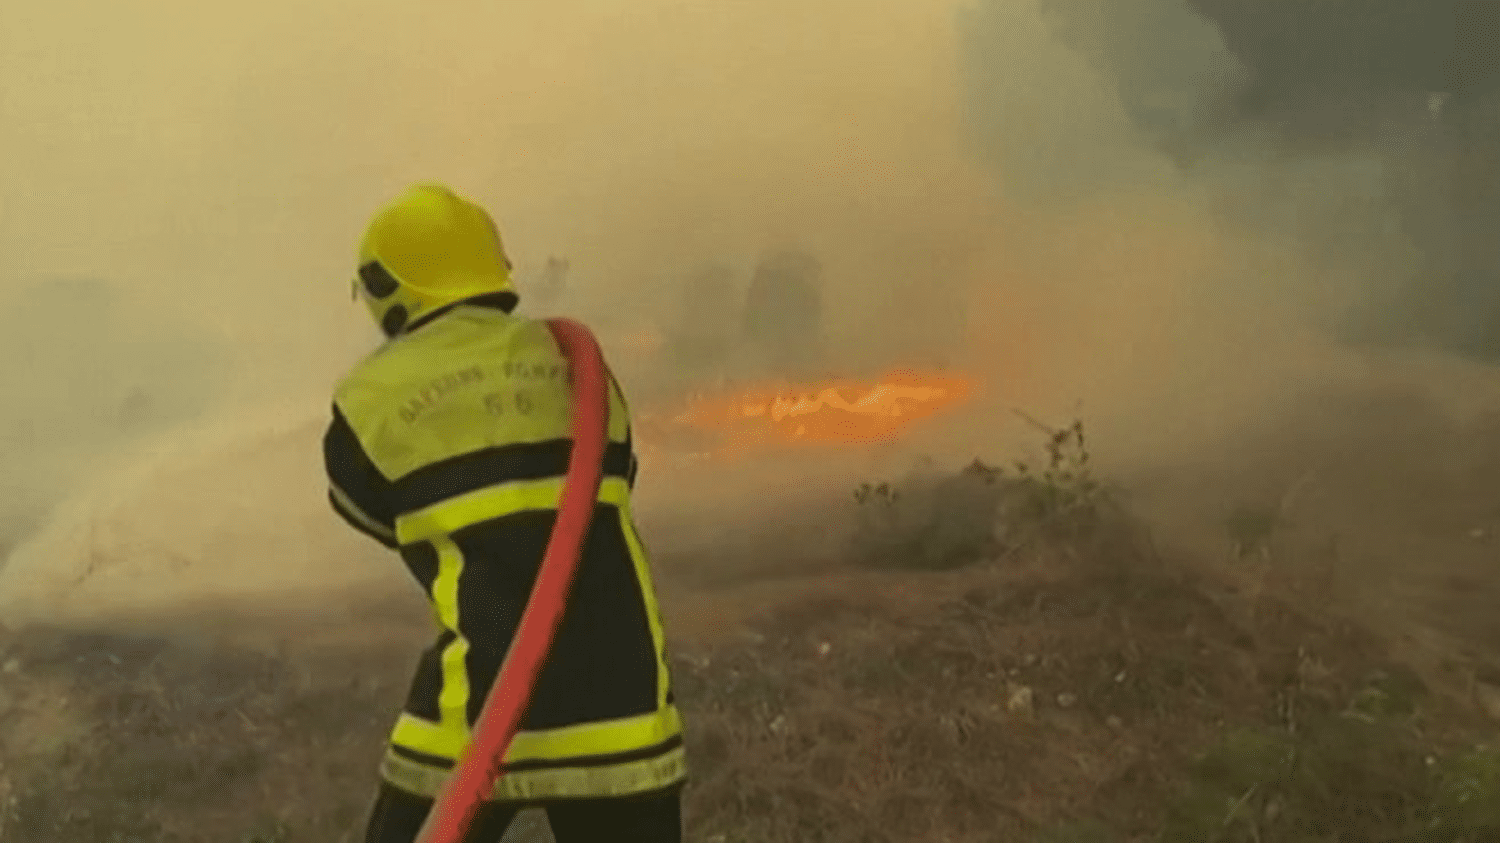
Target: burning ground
(1003,655)
(738,420)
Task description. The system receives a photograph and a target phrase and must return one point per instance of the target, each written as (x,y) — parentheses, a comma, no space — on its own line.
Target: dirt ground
(1065,688)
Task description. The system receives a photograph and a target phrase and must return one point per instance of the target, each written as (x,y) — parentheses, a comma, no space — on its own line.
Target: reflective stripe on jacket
(450,444)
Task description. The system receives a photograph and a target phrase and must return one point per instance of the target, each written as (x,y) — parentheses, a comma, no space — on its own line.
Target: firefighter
(448,445)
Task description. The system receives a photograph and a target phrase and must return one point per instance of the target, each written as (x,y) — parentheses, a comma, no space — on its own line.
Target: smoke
(1264,179)
(981,187)
(216,165)
(1364,131)
(89,375)
(1116,284)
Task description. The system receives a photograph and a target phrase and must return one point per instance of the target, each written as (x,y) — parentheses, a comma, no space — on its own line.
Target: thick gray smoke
(1367,129)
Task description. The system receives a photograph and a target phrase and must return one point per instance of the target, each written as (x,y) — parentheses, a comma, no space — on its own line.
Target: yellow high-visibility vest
(449,444)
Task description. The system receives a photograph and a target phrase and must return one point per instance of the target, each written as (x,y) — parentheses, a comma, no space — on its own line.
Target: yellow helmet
(428,249)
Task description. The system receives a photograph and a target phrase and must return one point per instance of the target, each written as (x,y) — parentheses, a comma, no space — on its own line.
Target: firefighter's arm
(357,490)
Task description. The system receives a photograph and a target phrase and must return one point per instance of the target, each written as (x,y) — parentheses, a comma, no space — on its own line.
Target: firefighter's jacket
(449,444)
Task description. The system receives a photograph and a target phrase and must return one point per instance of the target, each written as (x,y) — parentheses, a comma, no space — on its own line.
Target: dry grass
(170,742)
(851,725)
(1107,699)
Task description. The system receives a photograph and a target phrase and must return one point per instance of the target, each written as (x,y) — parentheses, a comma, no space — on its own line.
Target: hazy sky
(222,160)
(216,164)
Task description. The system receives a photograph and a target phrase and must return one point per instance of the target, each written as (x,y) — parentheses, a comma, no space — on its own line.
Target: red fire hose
(473,780)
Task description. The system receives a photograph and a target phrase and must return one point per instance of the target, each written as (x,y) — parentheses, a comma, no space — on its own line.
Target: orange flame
(840,411)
